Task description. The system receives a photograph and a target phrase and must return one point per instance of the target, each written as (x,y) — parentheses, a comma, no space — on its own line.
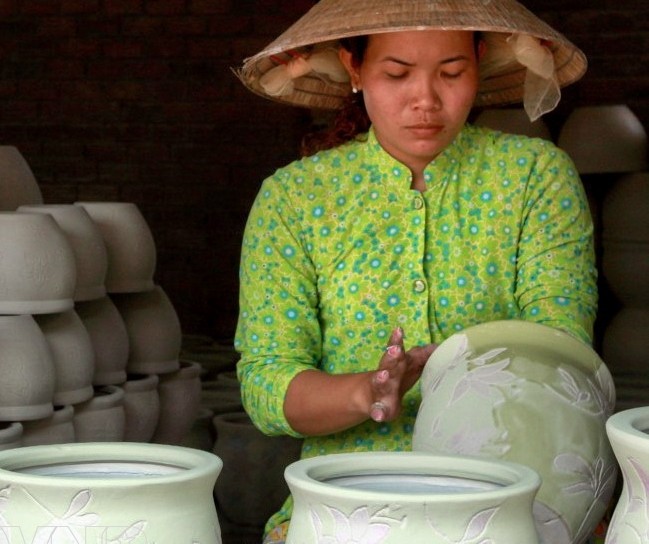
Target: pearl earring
(354,90)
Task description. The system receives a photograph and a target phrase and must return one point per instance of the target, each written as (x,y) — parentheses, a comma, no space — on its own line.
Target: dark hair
(352,119)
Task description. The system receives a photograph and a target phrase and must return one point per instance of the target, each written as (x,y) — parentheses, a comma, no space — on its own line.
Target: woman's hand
(318,403)
(397,373)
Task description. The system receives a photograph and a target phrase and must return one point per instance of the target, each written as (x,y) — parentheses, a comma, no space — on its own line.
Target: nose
(426,96)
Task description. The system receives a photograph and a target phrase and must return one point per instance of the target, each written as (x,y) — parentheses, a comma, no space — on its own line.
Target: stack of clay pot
(609,146)
(224,428)
(89,344)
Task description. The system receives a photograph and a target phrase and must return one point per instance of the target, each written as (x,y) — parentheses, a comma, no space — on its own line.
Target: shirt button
(418,203)
(419,286)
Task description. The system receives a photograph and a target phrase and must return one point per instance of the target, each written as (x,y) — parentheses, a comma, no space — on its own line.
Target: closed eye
(452,75)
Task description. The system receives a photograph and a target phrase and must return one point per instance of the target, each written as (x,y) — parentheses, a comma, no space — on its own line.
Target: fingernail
(382,376)
(393,351)
(377,412)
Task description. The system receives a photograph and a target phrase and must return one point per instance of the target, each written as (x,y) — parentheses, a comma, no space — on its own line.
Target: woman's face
(418,87)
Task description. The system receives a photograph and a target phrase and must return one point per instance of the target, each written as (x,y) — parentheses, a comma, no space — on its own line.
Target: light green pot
(89,493)
(629,435)
(410,498)
(530,394)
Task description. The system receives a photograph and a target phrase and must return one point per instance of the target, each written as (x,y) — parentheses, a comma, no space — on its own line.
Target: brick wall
(134,100)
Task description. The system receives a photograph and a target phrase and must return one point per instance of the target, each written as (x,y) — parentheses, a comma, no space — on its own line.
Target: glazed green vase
(410,498)
(108,493)
(530,394)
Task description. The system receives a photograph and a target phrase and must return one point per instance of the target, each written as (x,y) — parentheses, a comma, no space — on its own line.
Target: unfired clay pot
(180,398)
(214,358)
(625,344)
(114,493)
(10,435)
(246,450)
(72,354)
(625,244)
(605,138)
(141,407)
(513,121)
(27,375)
(153,331)
(18,185)
(56,429)
(201,435)
(102,418)
(130,245)
(109,340)
(625,209)
(37,265)
(87,243)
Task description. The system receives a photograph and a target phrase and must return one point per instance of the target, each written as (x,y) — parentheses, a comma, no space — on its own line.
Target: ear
(482,49)
(346,60)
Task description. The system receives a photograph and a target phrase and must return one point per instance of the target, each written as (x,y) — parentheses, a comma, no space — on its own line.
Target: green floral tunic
(338,250)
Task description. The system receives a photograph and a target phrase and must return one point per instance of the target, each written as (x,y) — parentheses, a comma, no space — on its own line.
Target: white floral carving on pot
(531,394)
(413,497)
(112,493)
(629,434)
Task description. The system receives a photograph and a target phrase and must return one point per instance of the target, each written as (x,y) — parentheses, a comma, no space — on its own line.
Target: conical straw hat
(330,20)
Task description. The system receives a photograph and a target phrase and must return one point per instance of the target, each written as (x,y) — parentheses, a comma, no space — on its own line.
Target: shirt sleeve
(278,333)
(557,277)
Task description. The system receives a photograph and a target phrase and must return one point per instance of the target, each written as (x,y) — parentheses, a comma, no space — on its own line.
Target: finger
(396,337)
(419,355)
(381,377)
(378,411)
(394,350)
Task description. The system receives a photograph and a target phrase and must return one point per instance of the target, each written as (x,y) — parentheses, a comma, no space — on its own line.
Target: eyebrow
(404,63)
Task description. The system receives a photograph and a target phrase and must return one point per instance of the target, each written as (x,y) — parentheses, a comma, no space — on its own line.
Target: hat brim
(330,20)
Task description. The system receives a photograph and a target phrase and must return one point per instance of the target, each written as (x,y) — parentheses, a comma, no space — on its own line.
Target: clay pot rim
(191,462)
(515,479)
(140,382)
(630,427)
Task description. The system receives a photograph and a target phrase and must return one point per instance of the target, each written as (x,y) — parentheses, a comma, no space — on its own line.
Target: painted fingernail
(377,411)
(393,351)
(382,376)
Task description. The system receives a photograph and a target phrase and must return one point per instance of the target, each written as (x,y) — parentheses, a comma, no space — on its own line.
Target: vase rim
(511,478)
(631,424)
(191,463)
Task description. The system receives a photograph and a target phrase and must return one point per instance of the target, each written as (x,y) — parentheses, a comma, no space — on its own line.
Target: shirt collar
(399,173)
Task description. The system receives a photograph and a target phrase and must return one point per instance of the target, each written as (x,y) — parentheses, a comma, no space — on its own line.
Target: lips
(425,129)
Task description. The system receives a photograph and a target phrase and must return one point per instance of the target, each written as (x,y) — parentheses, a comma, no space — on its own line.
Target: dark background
(134,100)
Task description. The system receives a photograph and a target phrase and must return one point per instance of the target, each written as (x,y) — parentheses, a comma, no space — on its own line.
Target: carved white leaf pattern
(478,525)
(130,534)
(460,356)
(71,526)
(484,378)
(358,528)
(5,537)
(474,532)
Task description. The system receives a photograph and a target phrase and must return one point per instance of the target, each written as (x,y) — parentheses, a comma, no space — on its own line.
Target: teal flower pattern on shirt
(339,250)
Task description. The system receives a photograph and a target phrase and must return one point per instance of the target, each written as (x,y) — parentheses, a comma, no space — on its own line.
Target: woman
(407,226)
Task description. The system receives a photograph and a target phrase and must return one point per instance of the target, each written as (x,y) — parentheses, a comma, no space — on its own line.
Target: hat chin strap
(541,89)
(542,92)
